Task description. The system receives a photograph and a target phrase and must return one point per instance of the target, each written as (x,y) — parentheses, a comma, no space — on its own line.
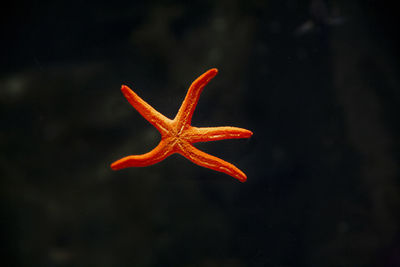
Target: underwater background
(316,81)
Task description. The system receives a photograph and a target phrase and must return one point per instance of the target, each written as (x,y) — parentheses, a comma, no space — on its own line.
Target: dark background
(316,81)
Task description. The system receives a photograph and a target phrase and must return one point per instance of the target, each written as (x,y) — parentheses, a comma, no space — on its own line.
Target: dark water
(316,81)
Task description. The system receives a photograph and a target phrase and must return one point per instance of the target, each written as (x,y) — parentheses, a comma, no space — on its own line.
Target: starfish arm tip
(211,73)
(114,166)
(124,88)
(241,176)
(215,70)
(119,164)
(246,133)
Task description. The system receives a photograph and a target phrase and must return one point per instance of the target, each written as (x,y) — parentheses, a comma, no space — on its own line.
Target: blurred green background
(316,81)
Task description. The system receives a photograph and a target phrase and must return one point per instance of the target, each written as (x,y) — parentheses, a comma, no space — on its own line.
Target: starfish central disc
(177,135)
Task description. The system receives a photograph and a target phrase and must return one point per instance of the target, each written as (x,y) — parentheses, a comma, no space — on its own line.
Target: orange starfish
(177,135)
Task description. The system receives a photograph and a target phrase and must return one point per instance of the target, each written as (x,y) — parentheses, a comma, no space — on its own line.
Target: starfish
(178,135)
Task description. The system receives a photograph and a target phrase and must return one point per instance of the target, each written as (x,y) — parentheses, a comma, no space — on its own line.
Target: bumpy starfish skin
(177,135)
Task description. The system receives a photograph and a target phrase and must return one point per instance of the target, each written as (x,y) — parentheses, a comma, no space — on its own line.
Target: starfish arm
(159,153)
(148,112)
(185,113)
(208,161)
(205,134)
